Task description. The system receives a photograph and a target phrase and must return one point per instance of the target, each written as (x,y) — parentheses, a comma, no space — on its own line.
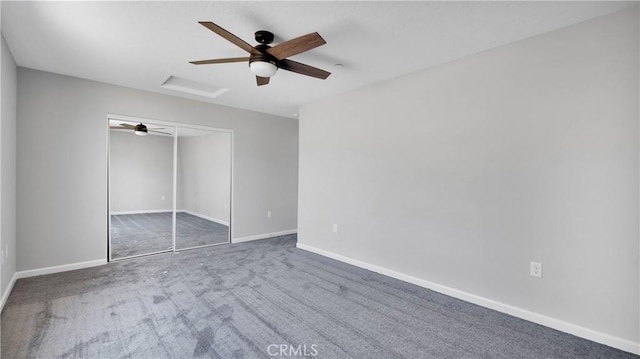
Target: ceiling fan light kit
(263,68)
(264,60)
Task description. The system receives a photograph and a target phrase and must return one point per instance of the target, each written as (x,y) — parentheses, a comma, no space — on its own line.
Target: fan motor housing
(264,37)
(262,55)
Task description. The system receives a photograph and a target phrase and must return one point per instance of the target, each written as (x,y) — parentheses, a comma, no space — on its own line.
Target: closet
(169,187)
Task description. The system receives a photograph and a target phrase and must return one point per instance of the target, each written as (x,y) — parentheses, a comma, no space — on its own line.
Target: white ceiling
(141,44)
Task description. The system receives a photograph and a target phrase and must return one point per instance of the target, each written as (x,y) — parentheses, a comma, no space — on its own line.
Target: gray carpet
(239,300)
(134,234)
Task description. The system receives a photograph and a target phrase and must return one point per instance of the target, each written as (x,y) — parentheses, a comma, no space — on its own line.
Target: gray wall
(8,79)
(204,165)
(62,187)
(141,172)
(464,173)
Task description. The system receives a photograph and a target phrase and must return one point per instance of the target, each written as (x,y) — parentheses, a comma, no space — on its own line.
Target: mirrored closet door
(169,187)
(203,183)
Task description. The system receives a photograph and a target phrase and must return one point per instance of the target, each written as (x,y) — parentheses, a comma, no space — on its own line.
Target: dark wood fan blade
(296,46)
(126,125)
(220,61)
(164,133)
(227,35)
(119,128)
(303,69)
(262,80)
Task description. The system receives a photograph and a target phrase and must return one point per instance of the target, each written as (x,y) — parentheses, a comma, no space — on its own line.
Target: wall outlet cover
(535,269)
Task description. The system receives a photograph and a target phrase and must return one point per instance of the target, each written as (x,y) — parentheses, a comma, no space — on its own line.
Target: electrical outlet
(268,214)
(535,269)
(335,228)
(162,198)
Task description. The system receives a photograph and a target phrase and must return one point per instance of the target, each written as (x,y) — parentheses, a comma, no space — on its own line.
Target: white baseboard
(47,270)
(263,236)
(142,211)
(586,333)
(5,295)
(60,268)
(224,223)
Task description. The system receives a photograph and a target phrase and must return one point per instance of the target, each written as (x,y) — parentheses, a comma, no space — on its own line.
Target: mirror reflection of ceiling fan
(139,129)
(265,60)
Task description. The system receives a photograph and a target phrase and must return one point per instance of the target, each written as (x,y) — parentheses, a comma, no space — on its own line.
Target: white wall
(62,187)
(8,80)
(141,172)
(204,165)
(462,174)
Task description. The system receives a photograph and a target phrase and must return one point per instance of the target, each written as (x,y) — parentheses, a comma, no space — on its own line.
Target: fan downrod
(264,37)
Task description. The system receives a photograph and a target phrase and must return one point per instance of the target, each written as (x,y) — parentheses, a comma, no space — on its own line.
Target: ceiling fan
(139,129)
(265,60)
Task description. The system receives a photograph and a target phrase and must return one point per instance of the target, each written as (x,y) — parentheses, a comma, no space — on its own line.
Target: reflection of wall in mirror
(204,175)
(141,173)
